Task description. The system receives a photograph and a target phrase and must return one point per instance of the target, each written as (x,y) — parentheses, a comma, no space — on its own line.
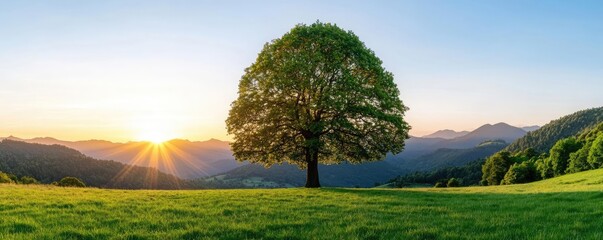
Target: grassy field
(569,207)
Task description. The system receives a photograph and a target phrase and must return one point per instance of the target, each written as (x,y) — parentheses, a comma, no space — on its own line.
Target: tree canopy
(317,94)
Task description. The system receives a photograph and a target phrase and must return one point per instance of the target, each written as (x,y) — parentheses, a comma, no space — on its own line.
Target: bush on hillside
(453,182)
(496,167)
(28,180)
(5,178)
(578,161)
(595,154)
(521,173)
(559,157)
(71,182)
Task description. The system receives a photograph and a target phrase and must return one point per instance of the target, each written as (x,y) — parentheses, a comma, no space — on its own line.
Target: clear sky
(122,70)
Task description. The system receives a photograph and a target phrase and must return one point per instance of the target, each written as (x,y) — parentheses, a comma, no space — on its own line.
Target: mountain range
(50,163)
(420,154)
(539,139)
(182,158)
(213,161)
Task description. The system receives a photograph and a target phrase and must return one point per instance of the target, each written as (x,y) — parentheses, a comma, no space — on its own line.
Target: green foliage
(557,162)
(469,174)
(544,138)
(578,161)
(595,153)
(28,180)
(570,139)
(495,168)
(317,90)
(453,182)
(49,163)
(5,178)
(439,185)
(71,182)
(521,173)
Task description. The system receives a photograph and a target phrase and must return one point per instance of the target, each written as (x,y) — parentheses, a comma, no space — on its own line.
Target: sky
(134,70)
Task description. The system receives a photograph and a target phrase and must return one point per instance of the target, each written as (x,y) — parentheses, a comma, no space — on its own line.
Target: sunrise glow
(155,131)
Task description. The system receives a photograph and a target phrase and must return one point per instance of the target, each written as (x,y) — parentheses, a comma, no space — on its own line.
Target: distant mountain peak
(446,134)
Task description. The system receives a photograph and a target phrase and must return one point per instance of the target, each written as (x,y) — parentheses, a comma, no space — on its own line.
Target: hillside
(445,157)
(419,146)
(49,163)
(587,181)
(188,159)
(567,207)
(286,175)
(486,132)
(543,139)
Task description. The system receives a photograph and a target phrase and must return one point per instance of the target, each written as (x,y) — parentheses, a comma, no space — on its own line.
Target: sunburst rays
(166,157)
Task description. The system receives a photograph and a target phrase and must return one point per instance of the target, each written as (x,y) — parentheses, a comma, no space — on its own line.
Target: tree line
(27,180)
(568,155)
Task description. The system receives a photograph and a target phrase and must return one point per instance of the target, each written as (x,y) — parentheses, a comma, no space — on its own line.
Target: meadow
(568,207)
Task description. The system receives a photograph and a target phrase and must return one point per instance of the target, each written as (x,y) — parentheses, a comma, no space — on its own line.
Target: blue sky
(117,69)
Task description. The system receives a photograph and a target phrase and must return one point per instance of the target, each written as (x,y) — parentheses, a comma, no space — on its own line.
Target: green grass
(568,207)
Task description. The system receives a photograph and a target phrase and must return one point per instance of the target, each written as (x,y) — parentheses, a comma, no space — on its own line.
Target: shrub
(5,178)
(439,185)
(559,157)
(71,182)
(521,173)
(579,160)
(495,168)
(595,153)
(28,180)
(453,182)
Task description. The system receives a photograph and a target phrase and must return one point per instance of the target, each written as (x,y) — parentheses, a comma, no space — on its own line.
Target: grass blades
(568,207)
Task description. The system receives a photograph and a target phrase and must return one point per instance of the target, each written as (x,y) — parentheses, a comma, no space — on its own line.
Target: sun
(156,132)
(155,137)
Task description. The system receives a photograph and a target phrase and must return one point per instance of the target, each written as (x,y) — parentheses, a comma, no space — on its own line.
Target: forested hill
(544,138)
(49,163)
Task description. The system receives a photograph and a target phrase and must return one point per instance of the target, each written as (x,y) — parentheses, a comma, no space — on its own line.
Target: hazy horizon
(129,71)
(226,140)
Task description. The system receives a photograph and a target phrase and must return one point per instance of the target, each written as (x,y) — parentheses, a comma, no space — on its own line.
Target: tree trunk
(312,174)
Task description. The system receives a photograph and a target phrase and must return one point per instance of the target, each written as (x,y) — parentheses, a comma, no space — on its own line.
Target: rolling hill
(430,153)
(49,163)
(187,159)
(420,154)
(486,132)
(446,157)
(192,160)
(540,140)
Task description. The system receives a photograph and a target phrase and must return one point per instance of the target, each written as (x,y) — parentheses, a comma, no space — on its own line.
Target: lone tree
(317,94)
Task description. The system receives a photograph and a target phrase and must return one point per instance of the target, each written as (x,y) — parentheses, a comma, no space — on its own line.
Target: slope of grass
(568,207)
(587,181)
